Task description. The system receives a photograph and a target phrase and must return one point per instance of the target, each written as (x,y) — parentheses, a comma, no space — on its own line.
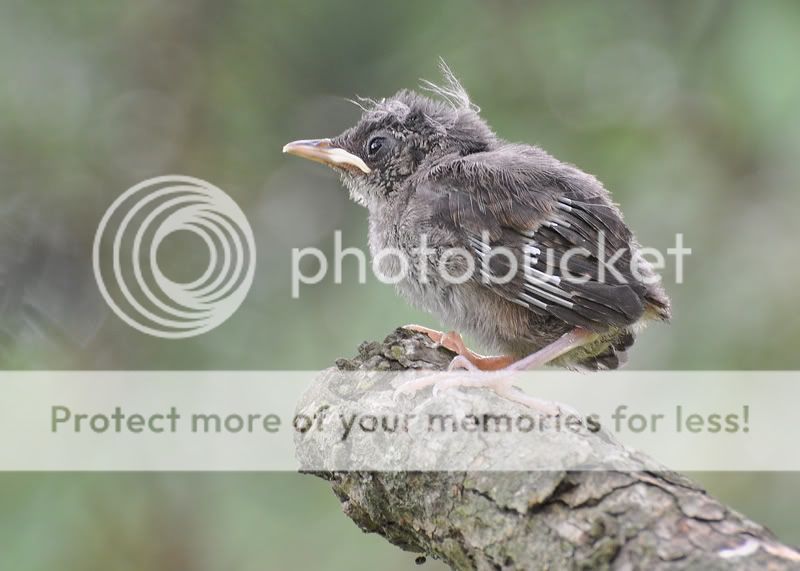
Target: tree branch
(647,518)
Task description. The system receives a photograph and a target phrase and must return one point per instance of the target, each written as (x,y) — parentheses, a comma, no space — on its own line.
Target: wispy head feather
(451,91)
(363,103)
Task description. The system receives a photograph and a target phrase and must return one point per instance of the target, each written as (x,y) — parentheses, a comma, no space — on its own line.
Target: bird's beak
(322,151)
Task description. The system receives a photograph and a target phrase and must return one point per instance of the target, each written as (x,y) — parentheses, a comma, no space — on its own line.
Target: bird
(436,179)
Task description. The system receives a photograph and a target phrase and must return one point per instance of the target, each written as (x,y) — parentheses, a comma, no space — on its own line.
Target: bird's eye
(375,144)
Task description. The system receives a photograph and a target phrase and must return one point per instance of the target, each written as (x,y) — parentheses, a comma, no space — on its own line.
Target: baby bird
(501,240)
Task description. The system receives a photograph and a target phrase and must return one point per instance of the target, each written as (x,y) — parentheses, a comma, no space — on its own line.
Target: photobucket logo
(536,269)
(134,227)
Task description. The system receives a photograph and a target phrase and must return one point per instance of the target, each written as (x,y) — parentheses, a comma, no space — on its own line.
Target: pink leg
(452,340)
(561,346)
(498,382)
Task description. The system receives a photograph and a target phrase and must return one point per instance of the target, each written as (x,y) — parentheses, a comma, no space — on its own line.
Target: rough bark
(650,518)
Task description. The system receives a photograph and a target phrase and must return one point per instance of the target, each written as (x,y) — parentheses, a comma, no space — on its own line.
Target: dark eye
(375,144)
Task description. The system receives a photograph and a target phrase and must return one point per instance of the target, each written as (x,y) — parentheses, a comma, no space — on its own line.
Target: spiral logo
(134,227)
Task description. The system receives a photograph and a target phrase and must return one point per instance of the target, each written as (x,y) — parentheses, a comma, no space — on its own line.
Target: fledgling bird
(432,168)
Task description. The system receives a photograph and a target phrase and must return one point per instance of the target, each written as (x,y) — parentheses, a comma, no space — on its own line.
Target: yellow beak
(322,151)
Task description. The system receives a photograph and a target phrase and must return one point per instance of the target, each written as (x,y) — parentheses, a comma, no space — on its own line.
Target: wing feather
(558,222)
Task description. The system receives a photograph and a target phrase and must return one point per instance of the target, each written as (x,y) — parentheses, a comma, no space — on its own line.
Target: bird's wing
(558,223)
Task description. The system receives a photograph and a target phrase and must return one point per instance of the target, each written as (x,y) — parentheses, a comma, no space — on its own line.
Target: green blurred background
(688,111)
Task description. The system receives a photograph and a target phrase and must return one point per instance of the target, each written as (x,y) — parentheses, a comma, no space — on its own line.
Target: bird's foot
(468,369)
(453,341)
(462,373)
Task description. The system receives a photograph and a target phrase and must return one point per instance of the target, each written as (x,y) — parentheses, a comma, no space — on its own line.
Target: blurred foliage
(688,112)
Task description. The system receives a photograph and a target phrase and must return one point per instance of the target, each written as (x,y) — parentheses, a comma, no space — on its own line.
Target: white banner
(266,420)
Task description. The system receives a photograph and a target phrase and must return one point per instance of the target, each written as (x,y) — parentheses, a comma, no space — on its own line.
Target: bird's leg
(561,346)
(455,343)
(499,380)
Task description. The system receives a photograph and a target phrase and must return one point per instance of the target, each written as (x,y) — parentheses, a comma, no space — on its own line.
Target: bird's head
(397,137)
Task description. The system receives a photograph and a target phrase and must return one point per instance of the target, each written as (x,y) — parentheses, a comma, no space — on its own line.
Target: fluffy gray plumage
(438,169)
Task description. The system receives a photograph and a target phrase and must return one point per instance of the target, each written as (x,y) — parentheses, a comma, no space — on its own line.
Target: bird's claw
(413,386)
(498,382)
(461,363)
